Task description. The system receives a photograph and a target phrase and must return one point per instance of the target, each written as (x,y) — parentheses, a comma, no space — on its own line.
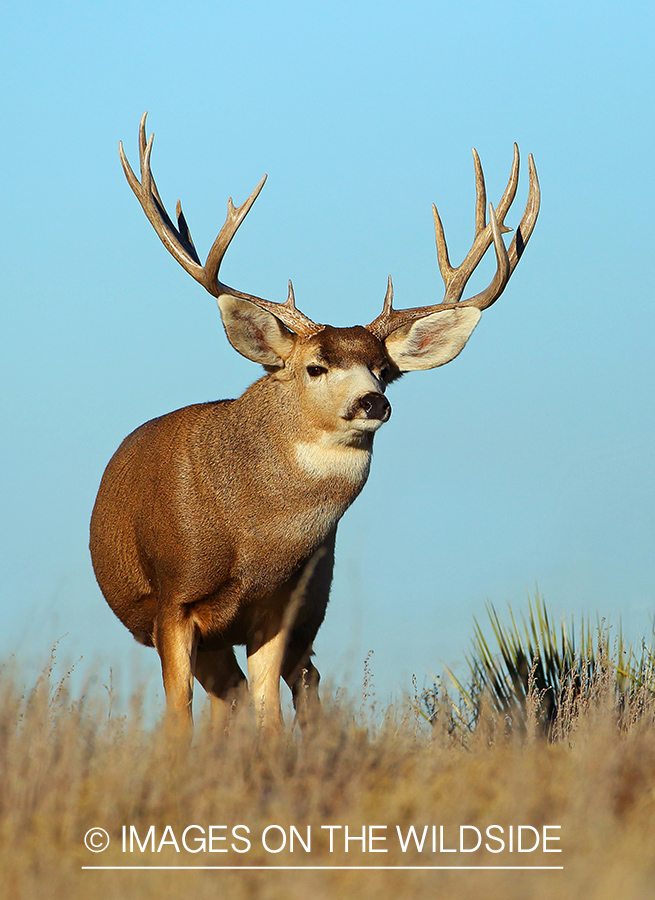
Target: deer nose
(376,406)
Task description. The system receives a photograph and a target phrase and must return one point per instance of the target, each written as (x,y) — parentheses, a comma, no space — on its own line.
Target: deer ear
(255,333)
(433,340)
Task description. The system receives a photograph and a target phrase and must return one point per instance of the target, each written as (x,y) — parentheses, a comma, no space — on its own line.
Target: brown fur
(204,519)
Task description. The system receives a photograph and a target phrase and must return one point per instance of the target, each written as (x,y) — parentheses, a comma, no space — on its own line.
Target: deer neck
(322,457)
(318,458)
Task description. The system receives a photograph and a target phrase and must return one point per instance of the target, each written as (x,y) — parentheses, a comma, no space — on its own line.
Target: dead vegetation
(69,765)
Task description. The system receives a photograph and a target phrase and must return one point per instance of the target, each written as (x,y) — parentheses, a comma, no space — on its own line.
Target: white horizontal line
(322,868)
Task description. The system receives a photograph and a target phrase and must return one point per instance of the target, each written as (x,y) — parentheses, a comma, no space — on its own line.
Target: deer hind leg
(298,670)
(176,641)
(220,675)
(303,678)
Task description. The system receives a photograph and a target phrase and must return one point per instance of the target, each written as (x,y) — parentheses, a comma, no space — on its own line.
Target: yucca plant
(537,674)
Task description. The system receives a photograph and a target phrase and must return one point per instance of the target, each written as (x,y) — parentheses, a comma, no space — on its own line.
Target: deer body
(215,525)
(181,524)
(197,503)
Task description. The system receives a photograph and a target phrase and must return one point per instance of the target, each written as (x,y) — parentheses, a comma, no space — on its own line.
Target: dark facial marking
(342,347)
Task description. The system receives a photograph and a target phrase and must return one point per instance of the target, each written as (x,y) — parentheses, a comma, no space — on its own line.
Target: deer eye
(384,373)
(315,371)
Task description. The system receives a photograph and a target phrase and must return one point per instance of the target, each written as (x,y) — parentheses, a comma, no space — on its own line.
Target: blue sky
(528,460)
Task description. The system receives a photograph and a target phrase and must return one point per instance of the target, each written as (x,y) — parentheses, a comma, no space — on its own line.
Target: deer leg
(264,669)
(298,670)
(220,675)
(303,678)
(176,642)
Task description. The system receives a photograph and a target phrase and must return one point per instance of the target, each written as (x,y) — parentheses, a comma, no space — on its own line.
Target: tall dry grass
(70,765)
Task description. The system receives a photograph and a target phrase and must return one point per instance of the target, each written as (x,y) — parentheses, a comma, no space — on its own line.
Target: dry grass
(68,766)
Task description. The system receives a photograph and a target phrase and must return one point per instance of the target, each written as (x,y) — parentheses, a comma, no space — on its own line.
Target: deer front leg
(264,670)
(176,642)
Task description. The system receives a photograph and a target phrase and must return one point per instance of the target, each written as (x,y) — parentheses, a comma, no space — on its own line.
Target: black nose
(376,406)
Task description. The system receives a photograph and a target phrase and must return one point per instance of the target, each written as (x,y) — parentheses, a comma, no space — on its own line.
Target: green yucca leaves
(534,673)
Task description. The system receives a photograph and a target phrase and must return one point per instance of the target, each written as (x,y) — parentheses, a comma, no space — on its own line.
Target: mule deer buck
(211,520)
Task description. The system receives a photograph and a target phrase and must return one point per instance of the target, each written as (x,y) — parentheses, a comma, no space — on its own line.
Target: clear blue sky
(527,460)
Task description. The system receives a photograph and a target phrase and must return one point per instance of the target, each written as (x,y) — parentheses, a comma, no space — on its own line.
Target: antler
(455,279)
(180,245)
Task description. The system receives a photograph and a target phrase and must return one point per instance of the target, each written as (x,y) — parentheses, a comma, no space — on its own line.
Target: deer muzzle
(375,406)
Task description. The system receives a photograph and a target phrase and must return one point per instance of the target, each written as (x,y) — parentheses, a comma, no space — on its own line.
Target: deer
(215,525)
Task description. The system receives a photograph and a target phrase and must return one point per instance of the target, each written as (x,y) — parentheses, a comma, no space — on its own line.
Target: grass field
(70,766)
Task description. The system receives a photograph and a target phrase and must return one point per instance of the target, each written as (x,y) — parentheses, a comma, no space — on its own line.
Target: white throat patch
(327,459)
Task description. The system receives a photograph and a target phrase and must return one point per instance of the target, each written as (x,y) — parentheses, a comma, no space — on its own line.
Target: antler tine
(455,279)
(180,245)
(458,278)
(148,196)
(233,219)
(286,312)
(520,239)
(480,194)
(503,271)
(529,219)
(144,166)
